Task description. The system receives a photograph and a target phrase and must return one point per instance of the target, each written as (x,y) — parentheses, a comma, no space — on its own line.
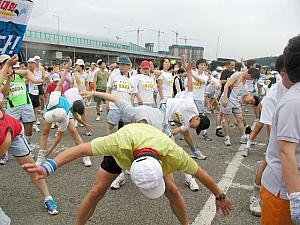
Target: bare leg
(226,124)
(42,101)
(177,202)
(28,129)
(260,171)
(219,119)
(240,123)
(89,203)
(256,130)
(188,138)
(98,105)
(40,184)
(74,133)
(44,135)
(109,128)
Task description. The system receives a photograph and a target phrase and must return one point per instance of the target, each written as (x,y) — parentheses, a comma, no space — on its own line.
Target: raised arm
(188,68)
(61,159)
(106,96)
(63,77)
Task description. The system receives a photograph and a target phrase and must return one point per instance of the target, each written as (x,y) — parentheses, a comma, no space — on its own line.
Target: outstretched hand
(188,67)
(12,61)
(68,65)
(86,94)
(33,168)
(224,206)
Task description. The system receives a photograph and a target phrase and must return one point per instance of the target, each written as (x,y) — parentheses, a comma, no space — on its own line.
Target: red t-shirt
(9,124)
(52,87)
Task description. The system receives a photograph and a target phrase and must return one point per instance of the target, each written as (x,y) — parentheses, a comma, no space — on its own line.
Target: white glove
(295,207)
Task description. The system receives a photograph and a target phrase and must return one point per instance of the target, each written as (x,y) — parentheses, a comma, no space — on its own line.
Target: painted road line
(241,186)
(208,212)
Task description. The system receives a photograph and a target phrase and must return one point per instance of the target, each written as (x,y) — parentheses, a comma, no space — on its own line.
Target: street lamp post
(106,27)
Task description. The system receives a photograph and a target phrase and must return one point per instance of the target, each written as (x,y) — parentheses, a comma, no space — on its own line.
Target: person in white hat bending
(58,110)
(152,158)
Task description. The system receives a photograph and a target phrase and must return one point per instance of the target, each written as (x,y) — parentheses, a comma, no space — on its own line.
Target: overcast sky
(248,29)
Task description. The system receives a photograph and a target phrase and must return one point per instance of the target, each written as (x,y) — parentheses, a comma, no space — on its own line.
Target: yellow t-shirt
(122,143)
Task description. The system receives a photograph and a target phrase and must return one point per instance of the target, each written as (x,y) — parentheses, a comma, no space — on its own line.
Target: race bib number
(170,82)
(197,84)
(148,86)
(17,89)
(123,86)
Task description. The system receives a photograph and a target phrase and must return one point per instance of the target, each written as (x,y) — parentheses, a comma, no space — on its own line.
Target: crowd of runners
(148,107)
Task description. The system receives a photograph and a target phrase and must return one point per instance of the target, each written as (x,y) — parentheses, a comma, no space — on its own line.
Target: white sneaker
(191,183)
(81,125)
(172,124)
(118,182)
(53,126)
(98,118)
(41,157)
(244,139)
(245,152)
(88,133)
(198,155)
(38,122)
(36,128)
(101,109)
(4,159)
(255,207)
(87,161)
(227,141)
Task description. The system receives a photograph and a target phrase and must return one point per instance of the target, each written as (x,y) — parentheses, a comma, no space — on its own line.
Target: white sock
(47,198)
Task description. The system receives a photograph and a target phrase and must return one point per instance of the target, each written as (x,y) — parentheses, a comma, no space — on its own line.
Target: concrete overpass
(57,46)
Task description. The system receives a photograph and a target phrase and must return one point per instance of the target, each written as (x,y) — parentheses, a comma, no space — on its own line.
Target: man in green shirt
(152,158)
(100,81)
(18,101)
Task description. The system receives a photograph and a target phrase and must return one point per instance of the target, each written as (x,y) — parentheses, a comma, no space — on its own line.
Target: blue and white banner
(14,17)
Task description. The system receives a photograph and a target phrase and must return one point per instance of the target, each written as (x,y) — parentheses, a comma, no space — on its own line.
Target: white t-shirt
(181,109)
(83,78)
(33,88)
(90,76)
(121,86)
(199,87)
(250,86)
(167,85)
(145,87)
(72,95)
(38,74)
(269,102)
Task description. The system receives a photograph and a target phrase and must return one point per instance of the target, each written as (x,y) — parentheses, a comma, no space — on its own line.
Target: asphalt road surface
(23,203)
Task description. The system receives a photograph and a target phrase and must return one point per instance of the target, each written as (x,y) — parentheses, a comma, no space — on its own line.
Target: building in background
(192,52)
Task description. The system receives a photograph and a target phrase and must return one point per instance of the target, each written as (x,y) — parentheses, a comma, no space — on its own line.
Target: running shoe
(255,207)
(101,109)
(244,139)
(41,157)
(52,207)
(191,183)
(227,141)
(172,124)
(198,155)
(87,161)
(245,152)
(118,182)
(4,159)
(53,126)
(36,128)
(88,133)
(98,118)
(206,137)
(219,132)
(38,122)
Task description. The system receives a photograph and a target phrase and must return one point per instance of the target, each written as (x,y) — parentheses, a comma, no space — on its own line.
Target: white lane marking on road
(241,186)
(208,212)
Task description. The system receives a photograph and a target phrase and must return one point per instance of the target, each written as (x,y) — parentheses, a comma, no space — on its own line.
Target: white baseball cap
(56,115)
(79,62)
(55,77)
(3,58)
(37,57)
(31,60)
(146,173)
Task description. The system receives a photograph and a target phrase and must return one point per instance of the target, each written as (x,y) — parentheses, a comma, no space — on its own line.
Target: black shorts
(110,165)
(41,90)
(35,100)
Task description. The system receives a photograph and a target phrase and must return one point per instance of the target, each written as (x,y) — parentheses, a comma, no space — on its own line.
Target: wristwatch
(221,197)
